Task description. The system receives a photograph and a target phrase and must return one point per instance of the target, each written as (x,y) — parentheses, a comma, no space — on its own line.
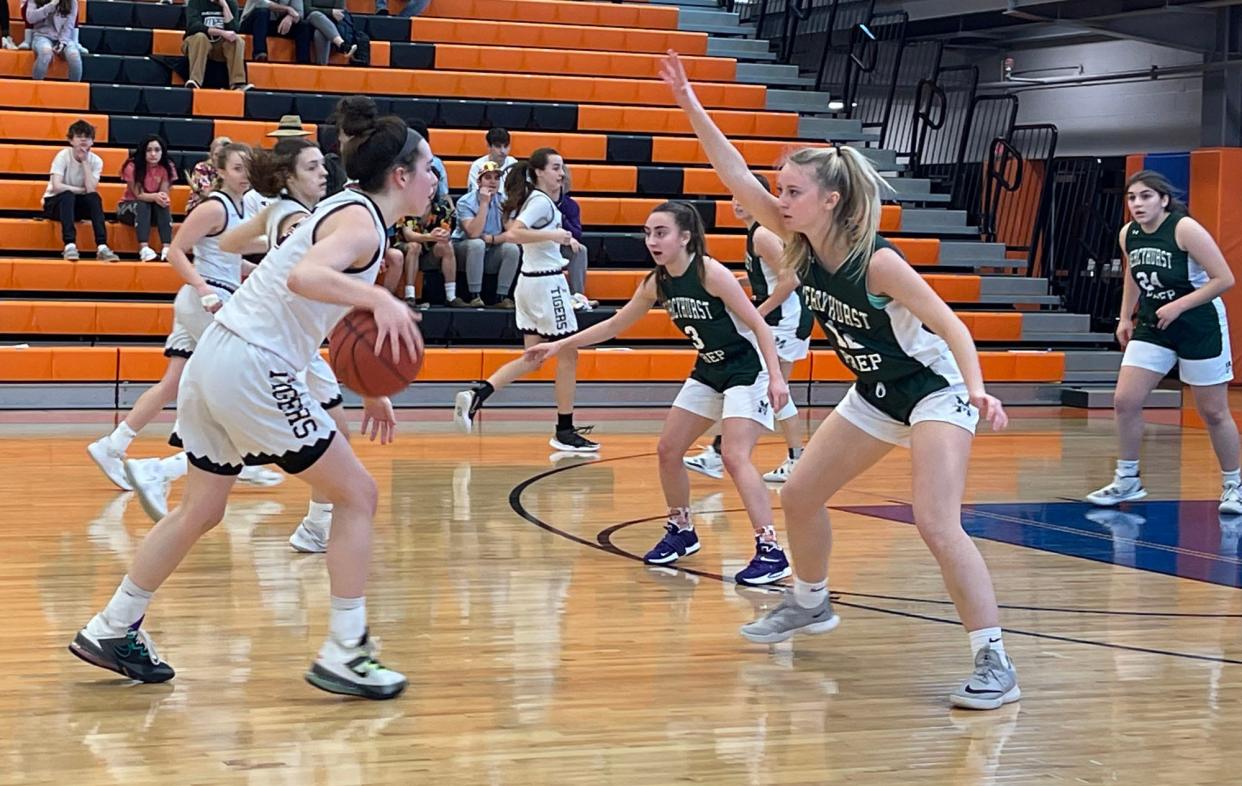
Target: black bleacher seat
(412,55)
(629,149)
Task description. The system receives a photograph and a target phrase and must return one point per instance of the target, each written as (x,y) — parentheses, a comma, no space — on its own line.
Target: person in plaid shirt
(428,237)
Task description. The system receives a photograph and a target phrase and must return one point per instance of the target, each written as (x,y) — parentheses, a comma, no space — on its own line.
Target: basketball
(351,352)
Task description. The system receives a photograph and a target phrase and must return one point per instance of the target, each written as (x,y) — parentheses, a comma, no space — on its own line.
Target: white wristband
(210,301)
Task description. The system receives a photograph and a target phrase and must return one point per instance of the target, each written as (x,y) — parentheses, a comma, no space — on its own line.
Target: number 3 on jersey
(693,335)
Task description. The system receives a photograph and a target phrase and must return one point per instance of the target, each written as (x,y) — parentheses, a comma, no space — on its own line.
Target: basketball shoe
(110,460)
(572,440)
(781,473)
(675,544)
(1122,489)
(993,683)
(789,618)
(708,462)
(130,653)
(768,565)
(353,670)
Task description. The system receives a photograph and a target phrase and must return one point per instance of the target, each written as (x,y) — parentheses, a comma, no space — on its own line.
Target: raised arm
(726,160)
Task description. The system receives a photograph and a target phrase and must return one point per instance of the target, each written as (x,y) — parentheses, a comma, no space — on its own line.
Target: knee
(938,530)
(1128,405)
(668,453)
(1215,414)
(362,495)
(736,459)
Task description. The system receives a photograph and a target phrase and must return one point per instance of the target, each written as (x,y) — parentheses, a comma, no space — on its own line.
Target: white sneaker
(781,473)
(1231,500)
(354,671)
(1122,489)
(164,254)
(147,254)
(110,461)
(147,477)
(24,45)
(261,476)
(105,254)
(7,42)
(464,409)
(309,540)
(71,253)
(709,463)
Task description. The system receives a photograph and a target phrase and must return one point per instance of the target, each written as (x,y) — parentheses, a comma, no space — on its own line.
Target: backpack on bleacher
(352,35)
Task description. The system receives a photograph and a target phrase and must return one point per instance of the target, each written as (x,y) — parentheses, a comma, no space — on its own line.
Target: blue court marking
(1184,538)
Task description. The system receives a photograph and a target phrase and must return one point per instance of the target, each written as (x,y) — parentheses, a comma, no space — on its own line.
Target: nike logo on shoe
(974,692)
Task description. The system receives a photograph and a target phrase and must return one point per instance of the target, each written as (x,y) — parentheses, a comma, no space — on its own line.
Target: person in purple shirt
(575,252)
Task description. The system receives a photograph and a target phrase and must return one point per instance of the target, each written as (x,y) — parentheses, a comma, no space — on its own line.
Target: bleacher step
(834,129)
(771,74)
(796,101)
(740,48)
(698,20)
(1091,397)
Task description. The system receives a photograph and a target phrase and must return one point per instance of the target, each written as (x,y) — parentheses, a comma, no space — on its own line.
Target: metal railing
(1018,194)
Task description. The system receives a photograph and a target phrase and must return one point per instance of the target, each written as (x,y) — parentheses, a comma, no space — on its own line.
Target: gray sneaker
(1122,489)
(789,618)
(993,683)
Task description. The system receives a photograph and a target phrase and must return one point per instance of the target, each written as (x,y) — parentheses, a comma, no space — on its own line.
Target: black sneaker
(571,440)
(132,655)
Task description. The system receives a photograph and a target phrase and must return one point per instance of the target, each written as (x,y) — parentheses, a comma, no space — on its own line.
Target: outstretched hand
(674,75)
(539,353)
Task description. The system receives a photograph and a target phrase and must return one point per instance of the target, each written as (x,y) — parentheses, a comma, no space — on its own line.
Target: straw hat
(290,125)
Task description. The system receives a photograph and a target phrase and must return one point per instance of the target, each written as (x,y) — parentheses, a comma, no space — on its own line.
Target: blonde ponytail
(856,218)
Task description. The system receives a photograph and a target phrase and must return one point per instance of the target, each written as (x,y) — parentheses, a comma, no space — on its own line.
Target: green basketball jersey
(728,352)
(897,361)
(1164,273)
(763,280)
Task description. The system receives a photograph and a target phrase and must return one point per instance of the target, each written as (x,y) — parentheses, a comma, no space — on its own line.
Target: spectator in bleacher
(426,241)
(288,126)
(575,253)
(329,20)
(52,24)
(412,8)
(497,153)
(362,107)
(480,241)
(202,179)
(257,17)
(148,176)
(73,191)
(211,32)
(442,184)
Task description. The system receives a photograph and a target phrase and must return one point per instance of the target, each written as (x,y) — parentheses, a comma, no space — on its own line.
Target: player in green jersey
(736,381)
(916,386)
(1175,274)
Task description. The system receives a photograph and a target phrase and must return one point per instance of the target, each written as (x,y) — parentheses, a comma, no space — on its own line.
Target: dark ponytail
(520,180)
(687,219)
(1161,185)
(377,145)
(271,169)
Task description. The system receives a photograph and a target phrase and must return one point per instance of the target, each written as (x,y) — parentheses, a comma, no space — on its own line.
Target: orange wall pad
(600,39)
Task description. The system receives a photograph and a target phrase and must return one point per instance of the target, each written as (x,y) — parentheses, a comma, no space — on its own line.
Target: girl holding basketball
(736,380)
(244,402)
(918,384)
(544,304)
(1175,277)
(210,280)
(293,177)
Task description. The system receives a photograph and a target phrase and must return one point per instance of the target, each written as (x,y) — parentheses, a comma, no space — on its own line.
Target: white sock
(1127,469)
(319,514)
(127,606)
(348,620)
(987,637)
(121,436)
(409,292)
(175,466)
(808,594)
(450,291)
(1233,477)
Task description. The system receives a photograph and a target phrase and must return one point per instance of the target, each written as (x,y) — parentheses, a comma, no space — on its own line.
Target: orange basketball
(351,352)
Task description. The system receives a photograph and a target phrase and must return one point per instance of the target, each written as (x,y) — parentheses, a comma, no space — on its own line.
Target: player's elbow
(297,281)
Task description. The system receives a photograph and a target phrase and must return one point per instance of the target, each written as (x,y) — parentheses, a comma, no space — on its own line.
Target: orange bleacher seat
(28,195)
(661,120)
(557,12)
(602,39)
(44,95)
(997,367)
(48,125)
(58,364)
(586,177)
(687,150)
(253,132)
(574,147)
(518,87)
(57,275)
(524,60)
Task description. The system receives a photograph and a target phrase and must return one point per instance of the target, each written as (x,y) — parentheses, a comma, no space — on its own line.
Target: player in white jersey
(243,402)
(210,280)
(544,304)
(291,178)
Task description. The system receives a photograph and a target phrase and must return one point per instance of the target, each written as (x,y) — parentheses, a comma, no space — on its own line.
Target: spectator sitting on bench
(480,242)
(425,242)
(73,191)
(257,17)
(211,33)
(53,25)
(202,178)
(498,154)
(148,176)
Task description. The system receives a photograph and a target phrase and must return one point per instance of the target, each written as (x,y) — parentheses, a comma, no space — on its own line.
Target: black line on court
(604,543)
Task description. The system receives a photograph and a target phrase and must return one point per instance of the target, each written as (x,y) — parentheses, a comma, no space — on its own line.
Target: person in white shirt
(73,192)
(497,152)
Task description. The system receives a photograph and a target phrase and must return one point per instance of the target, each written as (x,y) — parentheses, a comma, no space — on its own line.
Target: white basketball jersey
(283,207)
(265,313)
(214,265)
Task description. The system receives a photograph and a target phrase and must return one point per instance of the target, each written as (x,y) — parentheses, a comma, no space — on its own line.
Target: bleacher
(577,76)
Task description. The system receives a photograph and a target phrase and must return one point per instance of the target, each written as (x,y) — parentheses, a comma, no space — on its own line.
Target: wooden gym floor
(540,651)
